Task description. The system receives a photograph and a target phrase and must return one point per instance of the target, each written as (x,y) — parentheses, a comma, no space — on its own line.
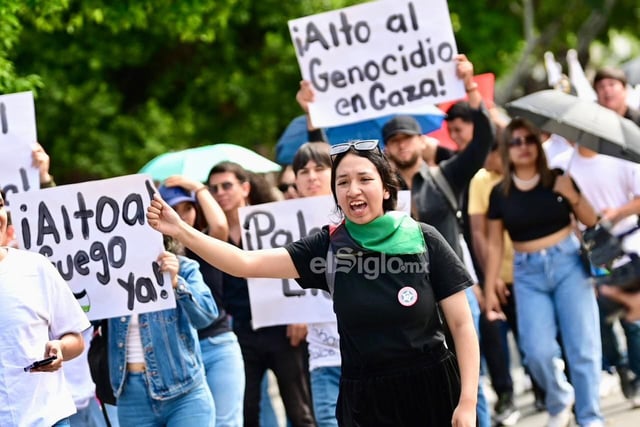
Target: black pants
(417,393)
(495,350)
(269,348)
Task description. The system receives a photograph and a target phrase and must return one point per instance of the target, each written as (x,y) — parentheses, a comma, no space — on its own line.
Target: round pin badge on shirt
(407,296)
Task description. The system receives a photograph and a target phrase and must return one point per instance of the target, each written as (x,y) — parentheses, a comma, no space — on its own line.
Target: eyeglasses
(360,145)
(526,140)
(223,186)
(285,186)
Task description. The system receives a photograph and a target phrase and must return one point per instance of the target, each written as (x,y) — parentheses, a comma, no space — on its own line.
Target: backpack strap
(445,187)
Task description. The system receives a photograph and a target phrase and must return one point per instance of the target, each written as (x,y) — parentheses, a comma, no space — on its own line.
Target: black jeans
(269,348)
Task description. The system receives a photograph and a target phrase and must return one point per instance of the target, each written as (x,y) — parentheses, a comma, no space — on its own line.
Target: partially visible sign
(96,234)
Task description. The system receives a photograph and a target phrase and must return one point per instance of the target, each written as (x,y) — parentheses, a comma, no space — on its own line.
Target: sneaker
(539,403)
(626,382)
(563,418)
(506,413)
(608,384)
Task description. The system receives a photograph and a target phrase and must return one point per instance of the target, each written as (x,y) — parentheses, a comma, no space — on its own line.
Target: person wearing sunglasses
(277,348)
(553,294)
(396,369)
(286,183)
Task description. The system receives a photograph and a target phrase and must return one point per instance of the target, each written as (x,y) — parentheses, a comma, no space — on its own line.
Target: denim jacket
(169,338)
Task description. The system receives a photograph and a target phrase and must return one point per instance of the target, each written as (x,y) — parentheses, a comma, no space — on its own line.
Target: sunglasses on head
(226,186)
(360,145)
(526,140)
(285,186)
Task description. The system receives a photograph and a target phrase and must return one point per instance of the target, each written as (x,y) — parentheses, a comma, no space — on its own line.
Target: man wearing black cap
(404,144)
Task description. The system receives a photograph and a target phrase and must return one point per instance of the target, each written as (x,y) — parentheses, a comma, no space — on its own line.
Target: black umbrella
(585,122)
(632,70)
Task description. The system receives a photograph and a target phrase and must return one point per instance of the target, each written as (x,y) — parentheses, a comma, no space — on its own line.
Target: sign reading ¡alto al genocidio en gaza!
(375,59)
(96,234)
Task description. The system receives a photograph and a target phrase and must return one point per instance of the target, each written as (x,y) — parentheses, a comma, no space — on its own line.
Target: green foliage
(120,81)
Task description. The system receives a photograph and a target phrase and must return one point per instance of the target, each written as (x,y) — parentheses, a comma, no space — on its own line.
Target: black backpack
(98,357)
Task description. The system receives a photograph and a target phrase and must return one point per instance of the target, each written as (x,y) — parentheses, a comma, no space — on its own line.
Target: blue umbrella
(195,163)
(296,133)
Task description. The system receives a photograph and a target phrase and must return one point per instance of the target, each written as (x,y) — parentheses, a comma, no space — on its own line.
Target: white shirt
(555,146)
(36,305)
(324,345)
(78,375)
(606,182)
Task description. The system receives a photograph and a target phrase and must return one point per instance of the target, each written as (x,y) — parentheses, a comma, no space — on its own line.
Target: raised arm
(305,96)
(274,263)
(461,168)
(213,213)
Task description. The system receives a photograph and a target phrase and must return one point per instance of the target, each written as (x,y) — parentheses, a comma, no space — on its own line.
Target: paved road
(616,410)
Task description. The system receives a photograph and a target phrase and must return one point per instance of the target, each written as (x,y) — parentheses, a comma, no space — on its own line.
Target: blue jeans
(62,423)
(112,413)
(137,409)
(224,367)
(482,406)
(325,384)
(611,354)
(91,416)
(553,293)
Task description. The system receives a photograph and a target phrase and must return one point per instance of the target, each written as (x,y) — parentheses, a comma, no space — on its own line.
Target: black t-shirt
(236,295)
(532,214)
(385,314)
(429,202)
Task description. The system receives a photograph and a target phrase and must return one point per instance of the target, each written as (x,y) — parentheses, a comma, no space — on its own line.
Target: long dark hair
(382,165)
(546,176)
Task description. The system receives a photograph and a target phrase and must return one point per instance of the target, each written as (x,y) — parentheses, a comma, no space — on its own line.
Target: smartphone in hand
(39,363)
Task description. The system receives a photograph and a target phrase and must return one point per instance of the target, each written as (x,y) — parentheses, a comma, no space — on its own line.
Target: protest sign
(95,233)
(273,225)
(378,58)
(17,136)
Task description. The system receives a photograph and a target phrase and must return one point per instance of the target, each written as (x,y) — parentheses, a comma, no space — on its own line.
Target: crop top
(532,214)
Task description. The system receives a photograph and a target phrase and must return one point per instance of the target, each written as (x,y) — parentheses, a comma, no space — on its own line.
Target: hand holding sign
(376,59)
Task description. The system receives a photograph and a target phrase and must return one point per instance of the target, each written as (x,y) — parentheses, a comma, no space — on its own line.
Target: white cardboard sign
(378,58)
(96,234)
(17,136)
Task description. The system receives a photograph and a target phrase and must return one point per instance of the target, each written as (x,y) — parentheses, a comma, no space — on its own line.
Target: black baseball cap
(400,124)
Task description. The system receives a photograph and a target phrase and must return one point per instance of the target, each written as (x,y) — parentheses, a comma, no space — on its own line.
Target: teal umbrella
(195,163)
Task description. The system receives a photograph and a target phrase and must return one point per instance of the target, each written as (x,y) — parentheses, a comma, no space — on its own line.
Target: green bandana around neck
(394,233)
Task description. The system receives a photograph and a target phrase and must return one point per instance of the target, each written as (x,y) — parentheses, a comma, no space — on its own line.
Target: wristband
(204,187)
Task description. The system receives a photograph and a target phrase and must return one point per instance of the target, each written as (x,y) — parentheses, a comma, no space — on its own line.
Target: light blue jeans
(325,384)
(553,294)
(91,416)
(224,367)
(482,406)
(137,409)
